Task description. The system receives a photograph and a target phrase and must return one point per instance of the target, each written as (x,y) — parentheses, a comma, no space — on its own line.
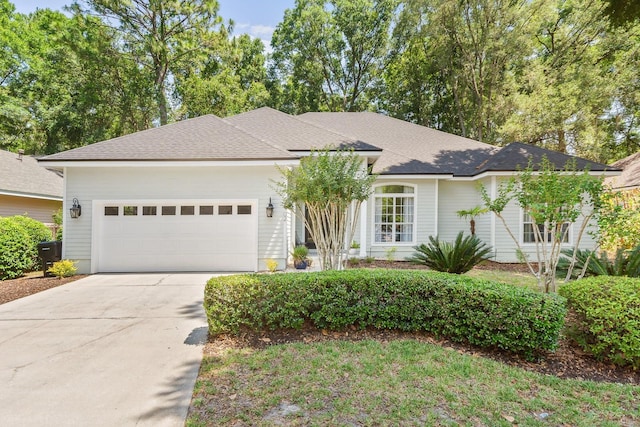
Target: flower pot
(300,265)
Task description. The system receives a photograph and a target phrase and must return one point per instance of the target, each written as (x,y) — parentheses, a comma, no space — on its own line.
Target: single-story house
(28,189)
(629,179)
(193,195)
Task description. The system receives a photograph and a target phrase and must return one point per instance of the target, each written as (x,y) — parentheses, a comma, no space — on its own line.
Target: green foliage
(300,253)
(457,307)
(554,197)
(457,257)
(608,311)
(330,185)
(38,232)
(329,54)
(624,263)
(390,253)
(471,215)
(63,268)
(16,248)
(619,220)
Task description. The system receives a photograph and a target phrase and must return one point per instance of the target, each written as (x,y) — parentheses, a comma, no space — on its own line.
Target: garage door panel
(177,242)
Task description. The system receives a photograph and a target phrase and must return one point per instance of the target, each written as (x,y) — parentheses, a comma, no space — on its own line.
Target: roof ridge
(333,131)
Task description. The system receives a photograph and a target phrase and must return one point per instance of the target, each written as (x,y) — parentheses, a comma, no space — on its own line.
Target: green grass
(402,382)
(525,280)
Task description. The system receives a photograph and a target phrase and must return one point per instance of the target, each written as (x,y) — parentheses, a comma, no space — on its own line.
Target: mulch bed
(29,284)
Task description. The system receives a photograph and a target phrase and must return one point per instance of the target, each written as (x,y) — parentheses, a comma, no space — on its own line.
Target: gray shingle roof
(202,138)
(630,177)
(294,134)
(408,148)
(516,156)
(26,178)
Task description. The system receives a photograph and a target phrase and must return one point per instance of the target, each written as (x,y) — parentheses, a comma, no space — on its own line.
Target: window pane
(111,210)
(187,210)
(206,210)
(225,210)
(393,189)
(130,210)
(244,209)
(168,210)
(149,210)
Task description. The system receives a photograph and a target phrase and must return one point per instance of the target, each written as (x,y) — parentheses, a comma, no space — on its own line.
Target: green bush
(457,257)
(15,249)
(63,268)
(608,312)
(38,232)
(457,307)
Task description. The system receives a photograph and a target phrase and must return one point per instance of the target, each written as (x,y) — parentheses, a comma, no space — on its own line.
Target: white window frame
(375,196)
(523,215)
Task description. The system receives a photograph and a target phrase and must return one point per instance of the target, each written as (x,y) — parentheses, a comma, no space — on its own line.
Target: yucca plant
(457,257)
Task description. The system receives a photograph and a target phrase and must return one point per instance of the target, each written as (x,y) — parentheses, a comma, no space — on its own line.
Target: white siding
(456,196)
(425,219)
(196,182)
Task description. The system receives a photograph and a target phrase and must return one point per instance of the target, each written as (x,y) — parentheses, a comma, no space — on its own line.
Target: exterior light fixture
(76,210)
(270,209)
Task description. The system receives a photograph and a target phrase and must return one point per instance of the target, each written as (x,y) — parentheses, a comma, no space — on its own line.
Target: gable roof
(516,156)
(202,138)
(22,176)
(408,148)
(630,177)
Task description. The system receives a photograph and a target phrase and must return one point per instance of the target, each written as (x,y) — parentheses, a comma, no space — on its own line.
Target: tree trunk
(472,223)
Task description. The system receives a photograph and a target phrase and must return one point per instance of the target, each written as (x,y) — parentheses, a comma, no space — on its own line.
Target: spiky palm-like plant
(457,257)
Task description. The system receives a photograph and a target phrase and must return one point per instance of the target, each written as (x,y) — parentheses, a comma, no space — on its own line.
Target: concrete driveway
(106,350)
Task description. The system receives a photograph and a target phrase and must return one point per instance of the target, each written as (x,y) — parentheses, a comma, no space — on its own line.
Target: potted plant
(353,251)
(299,256)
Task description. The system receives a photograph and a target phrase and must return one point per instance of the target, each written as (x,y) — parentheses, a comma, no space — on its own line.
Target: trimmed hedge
(457,307)
(608,310)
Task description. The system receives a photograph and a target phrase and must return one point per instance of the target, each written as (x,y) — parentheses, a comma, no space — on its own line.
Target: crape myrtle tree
(553,199)
(332,186)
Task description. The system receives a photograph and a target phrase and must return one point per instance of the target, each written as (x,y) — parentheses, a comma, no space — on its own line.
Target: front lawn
(399,382)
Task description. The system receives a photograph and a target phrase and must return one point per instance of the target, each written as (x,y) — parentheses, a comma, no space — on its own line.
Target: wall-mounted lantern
(270,209)
(76,210)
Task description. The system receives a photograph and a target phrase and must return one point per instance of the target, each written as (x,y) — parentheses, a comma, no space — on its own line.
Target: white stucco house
(193,195)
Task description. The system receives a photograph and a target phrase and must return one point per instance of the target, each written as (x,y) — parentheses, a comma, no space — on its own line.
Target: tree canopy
(560,74)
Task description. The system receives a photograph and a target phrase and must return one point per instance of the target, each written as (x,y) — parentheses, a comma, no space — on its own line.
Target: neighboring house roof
(408,148)
(22,176)
(402,148)
(294,134)
(630,177)
(516,156)
(202,138)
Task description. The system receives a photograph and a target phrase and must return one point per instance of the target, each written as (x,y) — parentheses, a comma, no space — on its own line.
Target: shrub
(38,232)
(457,307)
(63,268)
(458,257)
(625,263)
(15,249)
(272,265)
(608,312)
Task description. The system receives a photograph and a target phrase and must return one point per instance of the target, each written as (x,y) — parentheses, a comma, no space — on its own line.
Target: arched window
(394,214)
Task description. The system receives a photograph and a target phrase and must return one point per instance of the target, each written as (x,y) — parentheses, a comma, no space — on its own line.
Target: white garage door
(175,235)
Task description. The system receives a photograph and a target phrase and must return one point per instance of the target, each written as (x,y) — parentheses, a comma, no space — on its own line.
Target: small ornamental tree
(471,215)
(332,186)
(553,200)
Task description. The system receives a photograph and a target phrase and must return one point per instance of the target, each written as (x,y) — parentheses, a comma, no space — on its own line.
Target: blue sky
(258,18)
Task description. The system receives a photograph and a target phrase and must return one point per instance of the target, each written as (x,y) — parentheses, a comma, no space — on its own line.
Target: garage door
(175,235)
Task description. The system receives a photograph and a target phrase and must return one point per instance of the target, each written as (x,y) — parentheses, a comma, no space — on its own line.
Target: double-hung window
(394,214)
(529,235)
